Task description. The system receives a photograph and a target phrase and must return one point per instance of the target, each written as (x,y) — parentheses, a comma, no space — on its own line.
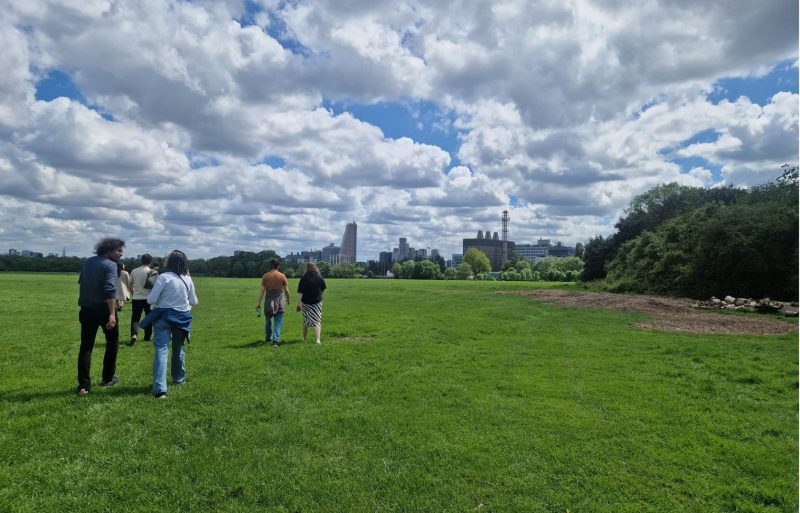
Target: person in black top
(310,292)
(98,301)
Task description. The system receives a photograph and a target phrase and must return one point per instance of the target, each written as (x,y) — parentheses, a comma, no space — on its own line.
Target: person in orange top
(275,293)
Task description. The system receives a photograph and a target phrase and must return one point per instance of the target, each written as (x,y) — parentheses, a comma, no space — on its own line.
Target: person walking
(98,302)
(275,293)
(139,293)
(123,286)
(309,292)
(173,296)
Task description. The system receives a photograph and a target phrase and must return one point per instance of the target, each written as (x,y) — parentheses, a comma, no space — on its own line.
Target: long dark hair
(177,262)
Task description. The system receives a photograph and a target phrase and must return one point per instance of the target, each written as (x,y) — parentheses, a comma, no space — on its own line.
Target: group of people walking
(166,299)
(275,294)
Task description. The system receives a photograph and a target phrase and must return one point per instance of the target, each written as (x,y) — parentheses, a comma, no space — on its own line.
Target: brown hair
(311,268)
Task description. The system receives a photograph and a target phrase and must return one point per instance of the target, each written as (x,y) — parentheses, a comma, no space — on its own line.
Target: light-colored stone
(730,299)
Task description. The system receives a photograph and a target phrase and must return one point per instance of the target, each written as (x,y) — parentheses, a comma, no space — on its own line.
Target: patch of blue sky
(759,89)
(274,162)
(513,201)
(688,163)
(199,160)
(58,84)
(424,122)
(276,26)
(706,136)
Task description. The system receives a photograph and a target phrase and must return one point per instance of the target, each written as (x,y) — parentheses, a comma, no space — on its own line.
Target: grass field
(423,397)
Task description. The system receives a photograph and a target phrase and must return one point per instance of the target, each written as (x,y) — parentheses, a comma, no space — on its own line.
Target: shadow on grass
(260,343)
(97,392)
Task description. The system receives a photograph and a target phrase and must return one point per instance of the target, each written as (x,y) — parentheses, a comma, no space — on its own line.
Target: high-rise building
(349,243)
(385,262)
(403,253)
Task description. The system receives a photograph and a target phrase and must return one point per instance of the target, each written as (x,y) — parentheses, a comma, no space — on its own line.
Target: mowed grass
(424,397)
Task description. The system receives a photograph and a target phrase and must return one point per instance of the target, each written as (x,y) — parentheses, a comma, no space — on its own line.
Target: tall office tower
(403,249)
(349,243)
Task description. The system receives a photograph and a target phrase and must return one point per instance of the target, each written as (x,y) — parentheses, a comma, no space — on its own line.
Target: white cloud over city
(207,126)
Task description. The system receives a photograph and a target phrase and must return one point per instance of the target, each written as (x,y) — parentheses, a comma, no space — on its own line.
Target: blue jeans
(275,332)
(164,332)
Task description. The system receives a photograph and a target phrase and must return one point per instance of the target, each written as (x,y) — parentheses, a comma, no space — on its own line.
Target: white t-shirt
(138,277)
(173,291)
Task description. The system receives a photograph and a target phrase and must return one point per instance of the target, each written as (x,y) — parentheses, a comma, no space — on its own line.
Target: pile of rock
(765,305)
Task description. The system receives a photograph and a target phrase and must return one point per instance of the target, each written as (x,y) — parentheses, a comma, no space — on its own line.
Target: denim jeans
(273,334)
(164,332)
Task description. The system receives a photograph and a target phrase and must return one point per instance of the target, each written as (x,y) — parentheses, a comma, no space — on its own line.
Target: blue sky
(222,126)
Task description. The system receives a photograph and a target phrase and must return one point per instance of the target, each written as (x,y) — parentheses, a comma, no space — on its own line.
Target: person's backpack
(150,281)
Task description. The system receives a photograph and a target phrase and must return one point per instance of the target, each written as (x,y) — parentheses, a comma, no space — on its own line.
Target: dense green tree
(324,269)
(597,252)
(746,247)
(426,270)
(477,260)
(464,271)
(439,261)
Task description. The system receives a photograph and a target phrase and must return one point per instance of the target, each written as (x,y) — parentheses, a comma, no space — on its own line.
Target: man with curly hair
(97,299)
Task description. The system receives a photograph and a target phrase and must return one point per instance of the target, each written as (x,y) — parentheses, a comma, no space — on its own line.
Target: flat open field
(424,397)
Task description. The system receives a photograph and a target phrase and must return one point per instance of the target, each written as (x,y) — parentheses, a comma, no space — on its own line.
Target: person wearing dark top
(310,292)
(98,302)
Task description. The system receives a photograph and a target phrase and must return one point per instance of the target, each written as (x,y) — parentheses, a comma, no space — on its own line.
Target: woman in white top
(173,296)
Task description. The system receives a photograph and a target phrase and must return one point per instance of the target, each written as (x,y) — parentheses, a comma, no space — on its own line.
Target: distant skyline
(211,126)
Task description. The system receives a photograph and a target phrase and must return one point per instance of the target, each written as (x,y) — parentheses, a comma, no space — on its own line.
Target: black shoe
(161,395)
(132,341)
(111,383)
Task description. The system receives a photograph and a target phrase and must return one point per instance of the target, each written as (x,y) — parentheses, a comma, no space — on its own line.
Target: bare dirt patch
(667,314)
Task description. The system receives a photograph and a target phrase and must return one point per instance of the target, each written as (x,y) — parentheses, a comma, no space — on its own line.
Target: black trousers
(139,306)
(91,319)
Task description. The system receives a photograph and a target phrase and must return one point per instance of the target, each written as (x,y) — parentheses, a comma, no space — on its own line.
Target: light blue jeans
(163,333)
(273,334)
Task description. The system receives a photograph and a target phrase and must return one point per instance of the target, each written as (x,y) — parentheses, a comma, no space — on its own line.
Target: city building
(385,262)
(492,247)
(543,248)
(532,252)
(497,249)
(13,252)
(403,253)
(456,260)
(349,243)
(303,257)
(330,253)
(561,251)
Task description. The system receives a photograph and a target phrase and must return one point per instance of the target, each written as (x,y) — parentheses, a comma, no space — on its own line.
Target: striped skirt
(312,314)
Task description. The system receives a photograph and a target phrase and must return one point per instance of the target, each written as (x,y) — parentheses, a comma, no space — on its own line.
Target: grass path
(424,397)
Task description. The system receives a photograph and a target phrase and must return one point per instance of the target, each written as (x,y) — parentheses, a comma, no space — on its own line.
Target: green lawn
(424,397)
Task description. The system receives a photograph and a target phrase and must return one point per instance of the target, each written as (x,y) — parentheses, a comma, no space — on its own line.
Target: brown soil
(668,314)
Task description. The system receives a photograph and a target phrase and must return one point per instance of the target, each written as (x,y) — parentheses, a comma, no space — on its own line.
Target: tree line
(689,241)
